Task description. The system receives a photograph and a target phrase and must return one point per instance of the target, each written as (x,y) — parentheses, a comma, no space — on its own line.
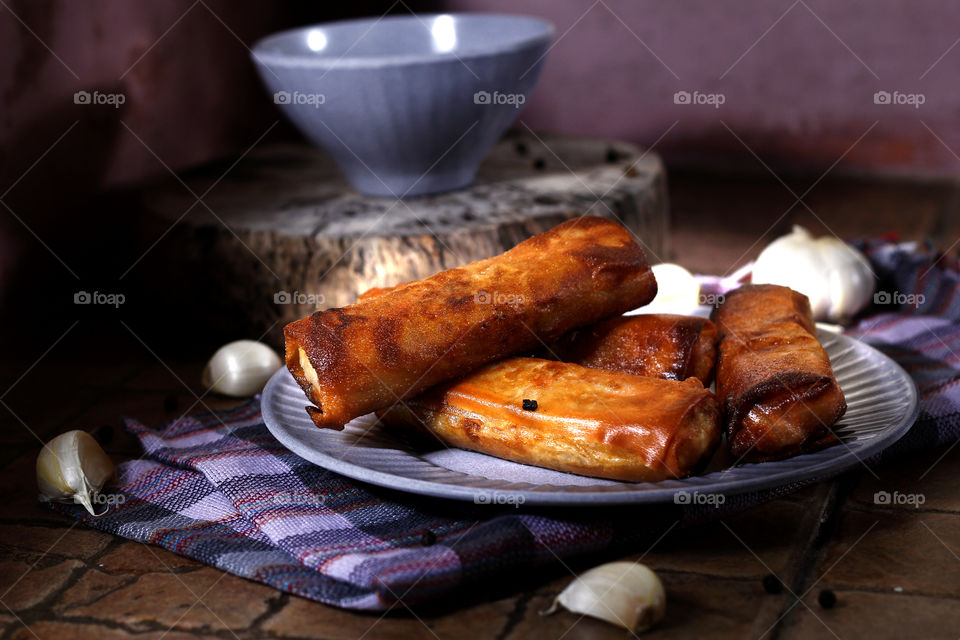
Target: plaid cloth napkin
(218,488)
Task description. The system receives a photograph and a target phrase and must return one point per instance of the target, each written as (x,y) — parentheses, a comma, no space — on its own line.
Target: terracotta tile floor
(895,570)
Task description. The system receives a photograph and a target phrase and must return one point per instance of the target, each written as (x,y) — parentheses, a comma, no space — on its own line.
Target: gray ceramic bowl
(406,105)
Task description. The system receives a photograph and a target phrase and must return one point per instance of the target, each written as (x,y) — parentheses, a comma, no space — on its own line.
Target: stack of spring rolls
(526,356)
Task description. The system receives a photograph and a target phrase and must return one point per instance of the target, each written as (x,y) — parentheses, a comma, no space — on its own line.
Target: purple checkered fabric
(217,487)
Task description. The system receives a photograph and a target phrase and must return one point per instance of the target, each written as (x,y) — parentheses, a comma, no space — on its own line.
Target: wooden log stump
(269,238)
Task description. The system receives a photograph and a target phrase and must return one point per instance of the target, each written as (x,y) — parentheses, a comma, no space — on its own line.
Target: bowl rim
(261,56)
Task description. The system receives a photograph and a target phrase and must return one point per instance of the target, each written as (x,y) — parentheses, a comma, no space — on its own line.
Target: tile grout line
(517,614)
(88,565)
(97,395)
(814,549)
(275,605)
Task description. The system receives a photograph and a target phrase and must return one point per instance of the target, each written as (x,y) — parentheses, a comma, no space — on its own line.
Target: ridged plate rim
(871,424)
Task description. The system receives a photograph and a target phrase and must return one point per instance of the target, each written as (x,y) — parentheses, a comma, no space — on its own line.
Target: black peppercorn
(428,538)
(827,599)
(539,164)
(521,148)
(772,584)
(612,156)
(529,405)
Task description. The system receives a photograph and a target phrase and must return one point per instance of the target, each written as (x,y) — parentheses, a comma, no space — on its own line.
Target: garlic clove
(627,594)
(835,277)
(73,467)
(677,289)
(241,368)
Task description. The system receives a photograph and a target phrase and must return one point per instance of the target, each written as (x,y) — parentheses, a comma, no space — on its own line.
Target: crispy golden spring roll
(779,394)
(357,359)
(592,422)
(373,292)
(659,345)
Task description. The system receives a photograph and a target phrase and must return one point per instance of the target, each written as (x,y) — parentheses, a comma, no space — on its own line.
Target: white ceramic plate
(881,407)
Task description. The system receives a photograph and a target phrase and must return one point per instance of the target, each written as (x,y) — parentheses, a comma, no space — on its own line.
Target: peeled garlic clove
(626,594)
(677,289)
(241,368)
(72,466)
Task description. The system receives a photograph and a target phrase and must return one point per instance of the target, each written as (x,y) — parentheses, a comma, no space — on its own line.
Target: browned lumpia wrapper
(659,345)
(591,422)
(363,357)
(774,380)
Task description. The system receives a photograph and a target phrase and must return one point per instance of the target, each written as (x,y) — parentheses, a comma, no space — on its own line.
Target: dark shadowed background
(798,80)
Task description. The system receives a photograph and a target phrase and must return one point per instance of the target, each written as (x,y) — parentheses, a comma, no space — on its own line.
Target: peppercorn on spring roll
(363,357)
(570,418)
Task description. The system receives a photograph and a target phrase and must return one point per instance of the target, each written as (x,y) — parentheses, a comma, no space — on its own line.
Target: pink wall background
(191,95)
(186,95)
(800,96)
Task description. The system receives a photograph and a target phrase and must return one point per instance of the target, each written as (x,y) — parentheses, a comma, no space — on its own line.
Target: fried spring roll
(658,345)
(775,382)
(357,359)
(588,421)
(373,292)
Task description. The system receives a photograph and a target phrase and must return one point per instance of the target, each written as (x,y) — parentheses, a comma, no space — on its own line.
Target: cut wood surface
(283,234)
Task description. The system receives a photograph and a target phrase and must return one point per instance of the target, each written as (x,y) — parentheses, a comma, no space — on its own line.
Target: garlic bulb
(677,290)
(836,277)
(626,594)
(73,467)
(241,368)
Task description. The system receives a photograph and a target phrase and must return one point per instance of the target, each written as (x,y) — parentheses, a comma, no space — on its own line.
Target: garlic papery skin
(241,368)
(836,277)
(626,594)
(73,467)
